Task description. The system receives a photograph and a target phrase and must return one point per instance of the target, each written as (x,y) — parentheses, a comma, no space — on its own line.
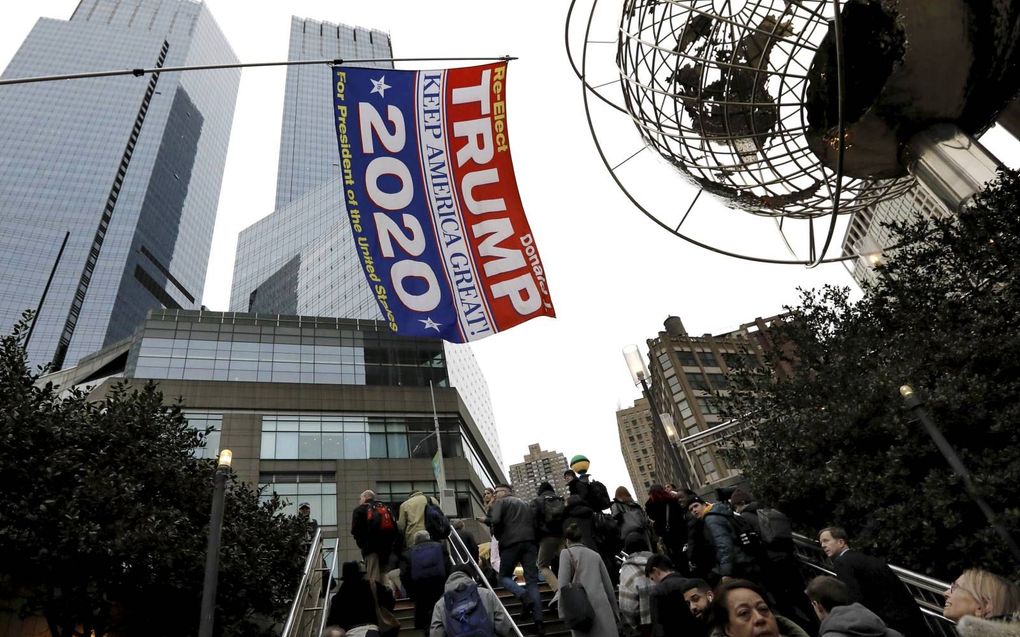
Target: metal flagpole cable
(241,65)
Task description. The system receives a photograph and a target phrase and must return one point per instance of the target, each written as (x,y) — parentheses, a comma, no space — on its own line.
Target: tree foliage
(104,514)
(834,444)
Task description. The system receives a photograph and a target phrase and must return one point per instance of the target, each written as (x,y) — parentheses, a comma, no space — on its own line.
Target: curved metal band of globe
(837,21)
(815,258)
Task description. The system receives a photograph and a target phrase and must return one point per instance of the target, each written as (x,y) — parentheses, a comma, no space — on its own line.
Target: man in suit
(872,583)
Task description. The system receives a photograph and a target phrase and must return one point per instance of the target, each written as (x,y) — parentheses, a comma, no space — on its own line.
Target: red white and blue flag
(432,200)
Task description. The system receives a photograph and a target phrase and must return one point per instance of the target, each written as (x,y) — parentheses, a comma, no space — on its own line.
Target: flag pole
(240,65)
(441,473)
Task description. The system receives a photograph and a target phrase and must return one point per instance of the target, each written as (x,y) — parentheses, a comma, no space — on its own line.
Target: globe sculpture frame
(719,89)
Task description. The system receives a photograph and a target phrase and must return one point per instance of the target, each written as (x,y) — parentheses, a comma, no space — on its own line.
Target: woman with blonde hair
(983,594)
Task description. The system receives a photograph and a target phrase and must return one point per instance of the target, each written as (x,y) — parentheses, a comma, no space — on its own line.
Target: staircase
(553,624)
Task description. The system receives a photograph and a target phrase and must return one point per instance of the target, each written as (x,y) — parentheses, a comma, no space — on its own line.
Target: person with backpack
(669,521)
(631,519)
(468,610)
(423,571)
(722,545)
(550,512)
(780,571)
(375,530)
(513,524)
(416,512)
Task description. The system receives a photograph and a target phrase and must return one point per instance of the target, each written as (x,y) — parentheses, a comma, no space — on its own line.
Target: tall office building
(128,168)
(646,450)
(685,372)
(301,258)
(869,236)
(538,467)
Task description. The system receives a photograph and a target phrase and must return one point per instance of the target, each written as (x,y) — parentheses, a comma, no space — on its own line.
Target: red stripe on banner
(500,238)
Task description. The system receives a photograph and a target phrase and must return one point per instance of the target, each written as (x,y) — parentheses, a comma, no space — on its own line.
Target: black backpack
(745,535)
(598,496)
(554,509)
(436,522)
(775,526)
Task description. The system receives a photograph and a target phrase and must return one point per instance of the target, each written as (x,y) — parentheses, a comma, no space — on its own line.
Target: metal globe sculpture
(799,109)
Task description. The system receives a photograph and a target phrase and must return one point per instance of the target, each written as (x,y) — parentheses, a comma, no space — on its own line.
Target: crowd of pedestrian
(678,566)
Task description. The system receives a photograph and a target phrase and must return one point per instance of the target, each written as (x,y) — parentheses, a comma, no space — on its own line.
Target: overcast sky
(614,275)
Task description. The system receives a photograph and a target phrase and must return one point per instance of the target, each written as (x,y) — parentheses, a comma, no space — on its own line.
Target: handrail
(329,585)
(313,551)
(465,555)
(926,591)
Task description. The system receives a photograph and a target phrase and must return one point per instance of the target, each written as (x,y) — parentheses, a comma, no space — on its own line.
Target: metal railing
(461,550)
(926,591)
(308,611)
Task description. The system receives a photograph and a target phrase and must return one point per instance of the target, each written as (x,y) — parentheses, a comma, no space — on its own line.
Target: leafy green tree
(104,514)
(834,444)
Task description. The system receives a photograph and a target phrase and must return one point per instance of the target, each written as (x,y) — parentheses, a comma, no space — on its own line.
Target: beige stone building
(688,373)
(539,466)
(645,450)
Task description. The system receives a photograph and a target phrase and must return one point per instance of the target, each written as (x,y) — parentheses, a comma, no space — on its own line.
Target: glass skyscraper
(129,168)
(301,259)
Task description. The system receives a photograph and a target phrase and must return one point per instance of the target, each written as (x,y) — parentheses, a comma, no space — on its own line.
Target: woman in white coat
(581,565)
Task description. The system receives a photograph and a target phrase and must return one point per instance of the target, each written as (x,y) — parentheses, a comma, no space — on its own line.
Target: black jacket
(670,614)
(670,522)
(512,521)
(873,584)
(353,604)
(779,550)
(543,528)
(367,540)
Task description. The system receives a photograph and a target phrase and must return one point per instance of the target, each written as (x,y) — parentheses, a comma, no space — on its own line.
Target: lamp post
(639,375)
(916,405)
(212,554)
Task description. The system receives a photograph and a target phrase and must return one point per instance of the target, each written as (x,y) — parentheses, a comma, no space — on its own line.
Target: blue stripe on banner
(388,204)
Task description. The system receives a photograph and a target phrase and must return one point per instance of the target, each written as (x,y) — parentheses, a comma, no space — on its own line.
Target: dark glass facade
(130,167)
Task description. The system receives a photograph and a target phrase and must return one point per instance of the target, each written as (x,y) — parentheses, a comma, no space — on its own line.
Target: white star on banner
(430,324)
(379,86)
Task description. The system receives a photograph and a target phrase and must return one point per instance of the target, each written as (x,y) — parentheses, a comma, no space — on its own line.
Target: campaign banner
(433,204)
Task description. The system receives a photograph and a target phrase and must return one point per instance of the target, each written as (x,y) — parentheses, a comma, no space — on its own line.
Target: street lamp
(916,405)
(212,554)
(639,374)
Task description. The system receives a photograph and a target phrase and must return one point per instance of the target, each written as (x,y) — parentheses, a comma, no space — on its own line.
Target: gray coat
(854,620)
(501,624)
(581,565)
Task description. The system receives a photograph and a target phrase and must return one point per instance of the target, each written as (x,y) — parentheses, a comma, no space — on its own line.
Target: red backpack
(380,518)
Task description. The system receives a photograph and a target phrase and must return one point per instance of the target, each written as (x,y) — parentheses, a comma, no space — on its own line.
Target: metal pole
(239,65)
(212,554)
(46,290)
(657,421)
(916,405)
(441,478)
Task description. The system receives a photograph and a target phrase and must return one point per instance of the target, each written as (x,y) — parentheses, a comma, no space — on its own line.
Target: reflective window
(200,421)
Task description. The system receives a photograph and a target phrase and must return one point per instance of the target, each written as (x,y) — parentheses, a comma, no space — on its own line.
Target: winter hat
(740,497)
(580,464)
(545,486)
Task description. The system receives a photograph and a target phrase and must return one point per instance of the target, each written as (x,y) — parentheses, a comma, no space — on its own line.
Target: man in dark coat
(780,572)
(549,509)
(373,526)
(872,583)
(670,614)
(513,523)
(423,572)
(715,549)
